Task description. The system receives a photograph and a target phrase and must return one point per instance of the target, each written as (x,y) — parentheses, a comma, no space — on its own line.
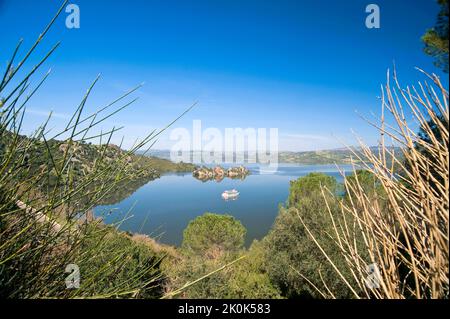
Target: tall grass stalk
(403,231)
(41,222)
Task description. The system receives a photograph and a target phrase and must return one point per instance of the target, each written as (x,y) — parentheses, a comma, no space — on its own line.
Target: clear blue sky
(301,66)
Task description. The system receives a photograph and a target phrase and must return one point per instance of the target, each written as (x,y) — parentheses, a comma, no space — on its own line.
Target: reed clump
(394,241)
(46,200)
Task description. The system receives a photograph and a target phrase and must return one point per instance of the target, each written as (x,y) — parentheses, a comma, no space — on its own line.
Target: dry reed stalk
(405,230)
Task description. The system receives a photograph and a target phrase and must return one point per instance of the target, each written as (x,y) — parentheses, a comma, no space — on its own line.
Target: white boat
(230,194)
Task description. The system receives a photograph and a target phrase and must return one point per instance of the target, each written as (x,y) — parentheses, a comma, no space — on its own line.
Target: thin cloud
(308,136)
(46,113)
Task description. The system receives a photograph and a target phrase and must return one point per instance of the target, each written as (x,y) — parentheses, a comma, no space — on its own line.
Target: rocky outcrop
(218,173)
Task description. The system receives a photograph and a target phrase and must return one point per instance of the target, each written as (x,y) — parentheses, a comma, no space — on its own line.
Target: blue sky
(304,67)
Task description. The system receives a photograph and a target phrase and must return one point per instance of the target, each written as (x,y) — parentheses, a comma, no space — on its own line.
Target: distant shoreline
(323,157)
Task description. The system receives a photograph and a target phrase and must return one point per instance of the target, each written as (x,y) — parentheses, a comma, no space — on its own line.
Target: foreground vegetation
(48,186)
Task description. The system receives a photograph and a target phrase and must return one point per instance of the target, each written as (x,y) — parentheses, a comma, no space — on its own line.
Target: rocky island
(218,173)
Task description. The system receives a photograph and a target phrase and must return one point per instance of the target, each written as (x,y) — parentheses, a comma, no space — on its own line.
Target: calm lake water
(163,208)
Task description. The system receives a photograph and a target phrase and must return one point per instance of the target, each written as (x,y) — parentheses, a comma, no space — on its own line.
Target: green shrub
(118,264)
(249,279)
(210,242)
(367,180)
(290,253)
(309,185)
(212,232)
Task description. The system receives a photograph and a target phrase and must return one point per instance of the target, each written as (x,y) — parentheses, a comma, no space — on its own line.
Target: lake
(162,208)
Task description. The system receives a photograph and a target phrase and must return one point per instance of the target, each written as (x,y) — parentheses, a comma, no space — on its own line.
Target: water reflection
(166,205)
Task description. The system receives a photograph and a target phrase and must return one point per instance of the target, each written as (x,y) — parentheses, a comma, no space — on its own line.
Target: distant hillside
(83,158)
(338,156)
